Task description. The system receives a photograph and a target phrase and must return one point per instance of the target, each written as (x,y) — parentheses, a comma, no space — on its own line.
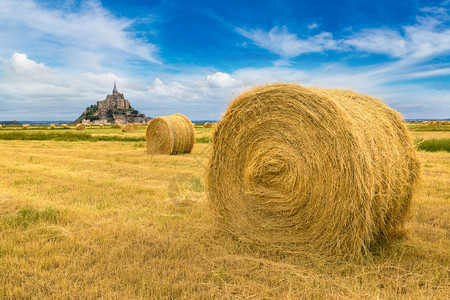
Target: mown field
(89,214)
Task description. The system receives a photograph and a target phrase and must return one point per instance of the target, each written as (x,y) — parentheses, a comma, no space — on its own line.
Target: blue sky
(193,57)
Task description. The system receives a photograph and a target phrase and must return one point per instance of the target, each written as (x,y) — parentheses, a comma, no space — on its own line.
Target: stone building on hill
(115,109)
(111,102)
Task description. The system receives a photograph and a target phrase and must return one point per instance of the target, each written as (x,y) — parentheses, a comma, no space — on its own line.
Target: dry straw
(65,126)
(81,126)
(1,126)
(300,169)
(52,126)
(26,126)
(170,135)
(128,128)
(207,125)
(135,126)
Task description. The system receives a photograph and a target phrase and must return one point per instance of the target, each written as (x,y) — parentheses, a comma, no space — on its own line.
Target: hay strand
(325,171)
(170,135)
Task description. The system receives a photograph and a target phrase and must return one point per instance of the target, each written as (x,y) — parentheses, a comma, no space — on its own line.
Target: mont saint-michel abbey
(111,102)
(115,109)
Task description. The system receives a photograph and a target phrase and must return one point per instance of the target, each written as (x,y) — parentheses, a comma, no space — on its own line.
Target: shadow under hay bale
(300,169)
(170,135)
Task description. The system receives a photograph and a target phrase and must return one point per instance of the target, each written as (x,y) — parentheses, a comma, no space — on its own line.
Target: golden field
(84,220)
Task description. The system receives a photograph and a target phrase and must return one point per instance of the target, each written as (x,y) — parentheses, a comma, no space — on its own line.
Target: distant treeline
(10,123)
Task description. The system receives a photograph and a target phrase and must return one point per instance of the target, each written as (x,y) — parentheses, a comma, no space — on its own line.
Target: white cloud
(380,41)
(288,45)
(90,29)
(222,80)
(313,26)
(201,94)
(428,38)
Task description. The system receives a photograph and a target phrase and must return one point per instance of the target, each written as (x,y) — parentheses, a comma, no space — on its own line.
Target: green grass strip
(433,145)
(67,137)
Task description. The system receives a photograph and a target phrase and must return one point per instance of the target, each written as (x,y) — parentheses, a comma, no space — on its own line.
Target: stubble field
(102,219)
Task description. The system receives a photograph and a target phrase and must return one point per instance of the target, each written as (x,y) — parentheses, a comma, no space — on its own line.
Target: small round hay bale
(207,125)
(302,169)
(26,126)
(128,127)
(101,125)
(65,126)
(52,126)
(135,126)
(81,126)
(1,126)
(170,135)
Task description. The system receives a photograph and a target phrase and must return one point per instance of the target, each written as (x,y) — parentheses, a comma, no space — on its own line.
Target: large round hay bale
(26,126)
(128,127)
(207,125)
(170,135)
(303,169)
(52,126)
(81,126)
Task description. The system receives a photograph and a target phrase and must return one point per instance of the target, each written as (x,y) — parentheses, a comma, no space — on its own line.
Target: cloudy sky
(193,57)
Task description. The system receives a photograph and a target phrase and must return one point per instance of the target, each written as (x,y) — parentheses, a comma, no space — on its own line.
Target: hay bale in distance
(26,126)
(52,126)
(81,126)
(1,126)
(300,169)
(135,126)
(128,127)
(207,125)
(101,125)
(65,126)
(170,135)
